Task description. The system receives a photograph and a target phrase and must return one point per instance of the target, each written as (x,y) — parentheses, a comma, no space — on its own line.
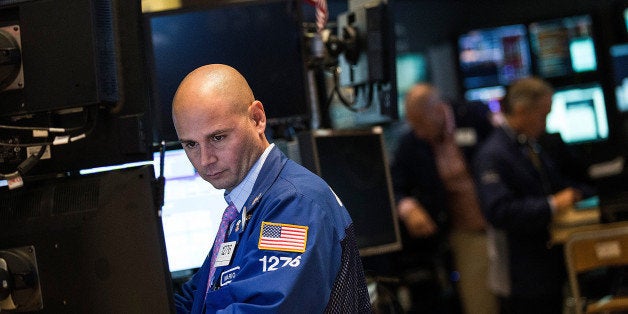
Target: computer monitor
(618,18)
(619,62)
(490,96)
(261,39)
(76,72)
(625,15)
(191,213)
(85,244)
(563,46)
(579,113)
(493,56)
(354,163)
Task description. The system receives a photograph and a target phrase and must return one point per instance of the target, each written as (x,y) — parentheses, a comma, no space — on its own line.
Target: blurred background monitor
(579,113)
(625,14)
(624,19)
(563,46)
(619,61)
(490,96)
(261,39)
(493,56)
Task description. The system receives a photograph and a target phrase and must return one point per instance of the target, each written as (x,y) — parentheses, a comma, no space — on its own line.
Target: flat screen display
(355,165)
(563,46)
(579,114)
(261,39)
(494,56)
(191,212)
(626,19)
(491,96)
(619,60)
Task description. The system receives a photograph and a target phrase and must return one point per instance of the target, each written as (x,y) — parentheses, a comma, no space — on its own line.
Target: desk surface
(574,220)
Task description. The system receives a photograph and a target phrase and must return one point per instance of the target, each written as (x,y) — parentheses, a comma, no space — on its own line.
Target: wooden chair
(586,251)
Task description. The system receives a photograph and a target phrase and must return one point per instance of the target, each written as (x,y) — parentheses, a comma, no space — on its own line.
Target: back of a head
(418,98)
(425,112)
(525,93)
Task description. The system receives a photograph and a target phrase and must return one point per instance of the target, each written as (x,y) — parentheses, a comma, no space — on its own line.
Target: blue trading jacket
(267,278)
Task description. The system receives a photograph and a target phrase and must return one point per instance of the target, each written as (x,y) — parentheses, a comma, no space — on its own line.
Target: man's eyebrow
(219,131)
(183,142)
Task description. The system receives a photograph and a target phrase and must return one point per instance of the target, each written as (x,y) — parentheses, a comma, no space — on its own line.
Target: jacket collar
(268,175)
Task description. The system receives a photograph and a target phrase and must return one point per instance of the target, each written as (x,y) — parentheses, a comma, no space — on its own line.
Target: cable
(160,182)
(58,140)
(44,128)
(336,90)
(23,168)
(351,105)
(31,161)
(14,179)
(28,128)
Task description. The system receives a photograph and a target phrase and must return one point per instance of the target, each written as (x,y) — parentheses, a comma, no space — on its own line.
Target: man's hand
(416,219)
(565,199)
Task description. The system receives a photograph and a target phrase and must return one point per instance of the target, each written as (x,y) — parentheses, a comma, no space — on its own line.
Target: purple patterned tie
(231,212)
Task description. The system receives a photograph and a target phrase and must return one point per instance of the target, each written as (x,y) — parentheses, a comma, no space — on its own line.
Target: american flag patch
(282,237)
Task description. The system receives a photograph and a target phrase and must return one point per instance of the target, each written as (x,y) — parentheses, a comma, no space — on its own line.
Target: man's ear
(257,113)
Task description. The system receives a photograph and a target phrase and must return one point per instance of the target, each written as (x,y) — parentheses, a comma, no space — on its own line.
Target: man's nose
(208,156)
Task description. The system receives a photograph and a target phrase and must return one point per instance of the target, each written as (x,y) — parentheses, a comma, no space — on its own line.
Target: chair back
(589,250)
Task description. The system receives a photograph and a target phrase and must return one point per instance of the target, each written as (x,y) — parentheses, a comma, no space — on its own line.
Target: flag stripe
(321,13)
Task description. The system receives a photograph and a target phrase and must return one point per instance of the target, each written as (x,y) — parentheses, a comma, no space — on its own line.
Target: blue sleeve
(183,301)
(275,281)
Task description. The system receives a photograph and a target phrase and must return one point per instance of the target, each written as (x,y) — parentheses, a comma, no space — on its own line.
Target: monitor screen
(261,39)
(491,96)
(626,19)
(494,56)
(563,46)
(355,165)
(191,213)
(619,61)
(579,114)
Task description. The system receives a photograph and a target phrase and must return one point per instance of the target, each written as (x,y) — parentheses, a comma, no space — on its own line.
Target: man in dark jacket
(520,191)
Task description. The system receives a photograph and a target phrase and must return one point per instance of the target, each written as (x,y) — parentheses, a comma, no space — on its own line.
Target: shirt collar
(518,138)
(241,192)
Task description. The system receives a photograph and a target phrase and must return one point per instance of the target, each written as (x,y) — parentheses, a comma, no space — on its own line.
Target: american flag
(282,237)
(321,12)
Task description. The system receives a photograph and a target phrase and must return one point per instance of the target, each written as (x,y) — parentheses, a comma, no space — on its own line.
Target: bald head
(425,112)
(418,98)
(213,82)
